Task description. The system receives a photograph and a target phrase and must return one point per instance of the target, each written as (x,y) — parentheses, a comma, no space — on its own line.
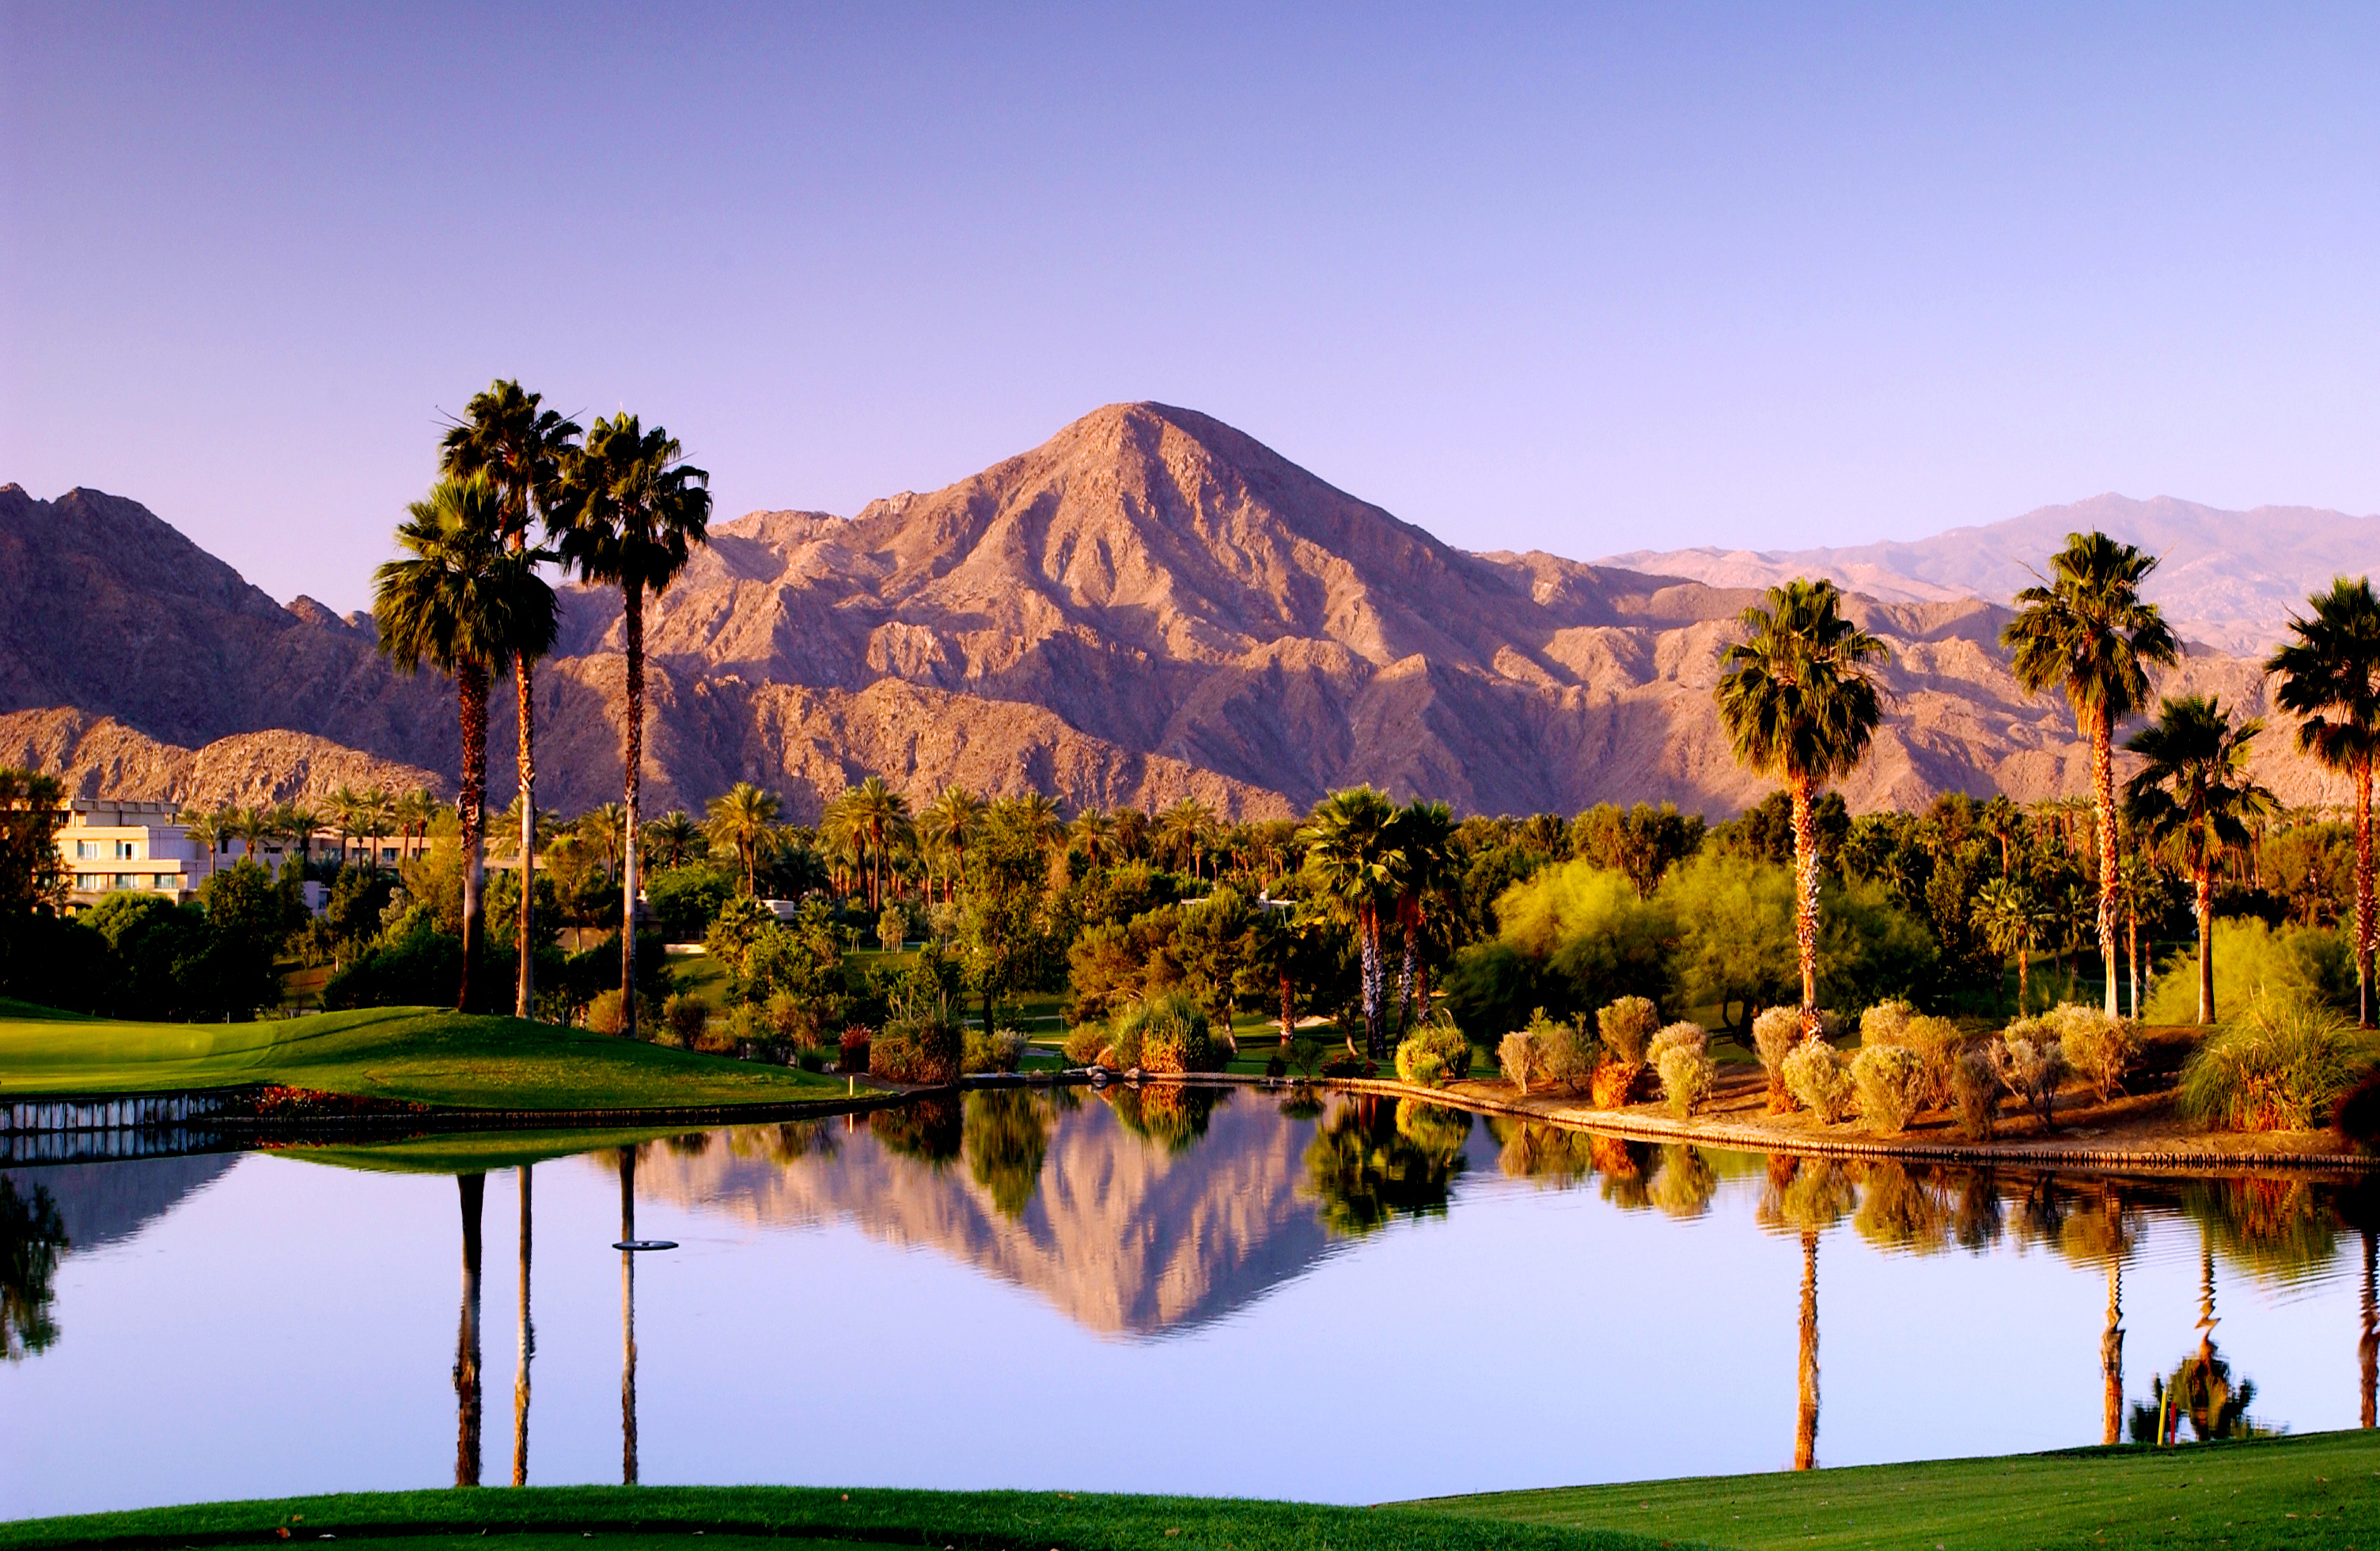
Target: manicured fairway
(413,1053)
(2322,1490)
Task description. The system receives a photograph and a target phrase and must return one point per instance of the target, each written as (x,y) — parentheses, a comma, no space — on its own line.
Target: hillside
(1149,605)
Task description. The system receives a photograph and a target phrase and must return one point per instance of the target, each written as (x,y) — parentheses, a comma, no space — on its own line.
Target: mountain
(99,757)
(2228,579)
(1147,606)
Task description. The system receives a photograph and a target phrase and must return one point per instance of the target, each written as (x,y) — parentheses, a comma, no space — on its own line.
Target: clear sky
(1575,277)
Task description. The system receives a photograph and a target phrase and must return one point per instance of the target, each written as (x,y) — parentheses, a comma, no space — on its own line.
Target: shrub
(1627,1027)
(2357,1114)
(1681,1055)
(1000,1050)
(1885,1023)
(1519,1055)
(2029,1062)
(1936,1042)
(745,1025)
(853,1048)
(1305,1053)
(1975,1094)
(603,1012)
(786,1018)
(1435,1052)
(1084,1043)
(1566,1051)
(1891,1080)
(2101,1049)
(684,1017)
(1167,1032)
(1347,1063)
(2254,961)
(1815,1076)
(893,929)
(1774,1035)
(2280,1067)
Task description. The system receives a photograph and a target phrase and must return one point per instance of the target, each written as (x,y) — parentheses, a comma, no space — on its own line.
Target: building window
(124,850)
(167,880)
(90,882)
(127,880)
(86,851)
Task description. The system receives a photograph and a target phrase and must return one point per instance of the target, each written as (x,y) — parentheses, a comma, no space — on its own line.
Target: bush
(2357,1114)
(1891,1080)
(1084,1043)
(1885,1023)
(1347,1063)
(2101,1049)
(1627,1027)
(893,929)
(1435,1052)
(745,1025)
(1681,1055)
(1305,1051)
(1774,1035)
(2029,1062)
(1975,1094)
(1000,1050)
(2280,1067)
(1936,1042)
(1815,1076)
(2255,962)
(683,1017)
(1520,1058)
(1167,1032)
(787,1019)
(852,1053)
(603,1012)
(1567,1052)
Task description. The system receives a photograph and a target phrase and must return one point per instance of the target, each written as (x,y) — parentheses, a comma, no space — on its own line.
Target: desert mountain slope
(2229,579)
(1150,605)
(99,756)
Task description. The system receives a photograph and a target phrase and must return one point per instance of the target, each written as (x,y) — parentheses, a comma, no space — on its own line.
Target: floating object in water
(646,1244)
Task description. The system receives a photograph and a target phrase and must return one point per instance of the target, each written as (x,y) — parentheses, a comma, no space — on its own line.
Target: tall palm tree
(520,446)
(880,820)
(1033,816)
(1186,829)
(2088,634)
(744,818)
(2194,793)
(1800,708)
(465,603)
(2330,676)
(2138,885)
(628,512)
(604,829)
(2010,916)
(672,838)
(376,820)
(1423,835)
(1096,832)
(301,823)
(345,805)
(473,1189)
(1349,841)
(951,822)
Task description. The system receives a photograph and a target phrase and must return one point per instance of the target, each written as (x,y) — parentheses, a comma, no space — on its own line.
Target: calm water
(1130,1294)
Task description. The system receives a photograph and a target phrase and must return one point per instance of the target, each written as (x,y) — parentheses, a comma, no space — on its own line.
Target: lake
(1208,1291)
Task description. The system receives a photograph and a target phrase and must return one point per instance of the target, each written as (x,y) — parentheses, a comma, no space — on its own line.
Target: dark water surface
(1198,1293)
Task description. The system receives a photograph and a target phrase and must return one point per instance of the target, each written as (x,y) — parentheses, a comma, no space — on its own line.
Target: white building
(109,846)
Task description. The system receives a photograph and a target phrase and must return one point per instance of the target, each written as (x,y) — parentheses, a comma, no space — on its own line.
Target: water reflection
(32,1237)
(627,1162)
(527,1334)
(2200,1391)
(1372,1162)
(473,1189)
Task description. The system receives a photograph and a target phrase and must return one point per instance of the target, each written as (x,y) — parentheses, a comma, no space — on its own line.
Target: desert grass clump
(1887,1022)
(1434,1053)
(1521,1058)
(1625,1029)
(1167,1032)
(2030,1063)
(1774,1035)
(1681,1056)
(1975,1094)
(2101,1049)
(1815,1076)
(2280,1066)
(1892,1082)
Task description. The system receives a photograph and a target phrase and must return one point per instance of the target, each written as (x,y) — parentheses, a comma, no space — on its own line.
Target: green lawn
(2319,1491)
(392,1052)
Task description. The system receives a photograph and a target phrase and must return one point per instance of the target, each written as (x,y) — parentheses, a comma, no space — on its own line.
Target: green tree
(628,512)
(1423,836)
(1350,850)
(744,820)
(673,838)
(2193,793)
(467,603)
(879,818)
(951,823)
(2330,676)
(33,880)
(2010,917)
(1801,708)
(2088,634)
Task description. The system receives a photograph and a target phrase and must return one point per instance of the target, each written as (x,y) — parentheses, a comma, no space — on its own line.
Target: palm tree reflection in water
(1807,1196)
(628,1316)
(473,1189)
(527,1344)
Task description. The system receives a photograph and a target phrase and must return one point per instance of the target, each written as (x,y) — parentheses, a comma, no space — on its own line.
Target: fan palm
(2088,634)
(604,829)
(1423,836)
(2330,676)
(951,822)
(505,434)
(1186,829)
(1096,832)
(1801,708)
(302,824)
(672,838)
(878,819)
(745,819)
(2010,917)
(1034,816)
(1349,841)
(465,604)
(345,805)
(2194,793)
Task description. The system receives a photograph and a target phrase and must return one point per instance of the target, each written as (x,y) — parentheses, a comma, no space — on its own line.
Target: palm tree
(376,819)
(1096,832)
(527,1341)
(1423,835)
(1186,829)
(345,805)
(301,823)
(473,1189)
(2330,676)
(464,604)
(505,435)
(1800,709)
(413,812)
(672,838)
(880,820)
(2010,917)
(1035,818)
(604,829)
(2087,632)
(951,821)
(2194,793)
(1349,841)
(745,819)
(2138,884)
(628,512)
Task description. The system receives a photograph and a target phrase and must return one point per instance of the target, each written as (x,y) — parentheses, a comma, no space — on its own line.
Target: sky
(1581,278)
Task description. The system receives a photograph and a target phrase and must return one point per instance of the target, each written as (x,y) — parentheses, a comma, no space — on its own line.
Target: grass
(625,1515)
(412,1054)
(2318,1491)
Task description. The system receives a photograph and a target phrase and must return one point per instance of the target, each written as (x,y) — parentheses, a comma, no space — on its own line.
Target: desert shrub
(786,1018)
(2357,1114)
(1892,1082)
(1305,1053)
(1166,1033)
(2101,1049)
(2029,1062)
(1936,1042)
(1815,1076)
(1347,1063)
(1566,1051)
(1000,1050)
(2255,962)
(853,1048)
(2281,1066)
(892,1055)
(681,1019)
(1435,1052)
(1520,1058)
(1774,1035)
(1975,1094)
(1681,1055)
(1885,1023)
(925,1046)
(1626,1027)
(745,1024)
(1084,1043)
(603,1012)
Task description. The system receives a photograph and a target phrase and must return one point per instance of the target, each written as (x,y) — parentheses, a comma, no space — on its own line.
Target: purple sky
(1579,278)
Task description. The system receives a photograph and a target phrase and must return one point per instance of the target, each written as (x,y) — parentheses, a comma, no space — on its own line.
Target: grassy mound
(414,1053)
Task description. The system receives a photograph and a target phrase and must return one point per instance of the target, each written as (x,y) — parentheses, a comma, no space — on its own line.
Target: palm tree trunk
(2024,973)
(1805,1418)
(632,598)
(2103,797)
(2205,877)
(1805,901)
(527,1344)
(1405,971)
(1288,1013)
(473,1189)
(525,989)
(2132,948)
(1376,1034)
(470,811)
(2363,924)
